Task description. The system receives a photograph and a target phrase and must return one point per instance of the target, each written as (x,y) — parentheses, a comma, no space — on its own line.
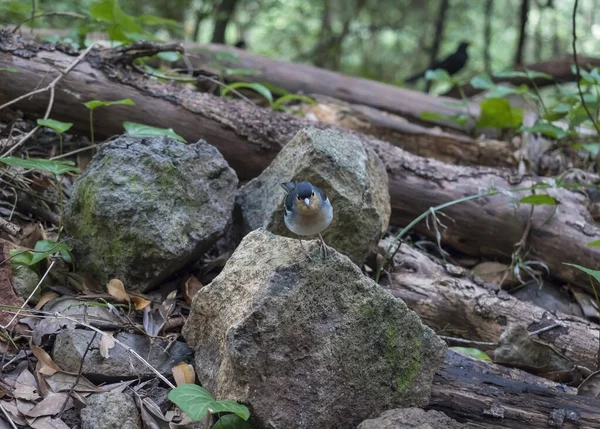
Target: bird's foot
(324,246)
(304,250)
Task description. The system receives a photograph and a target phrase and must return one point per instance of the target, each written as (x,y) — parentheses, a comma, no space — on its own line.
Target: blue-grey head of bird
(303,196)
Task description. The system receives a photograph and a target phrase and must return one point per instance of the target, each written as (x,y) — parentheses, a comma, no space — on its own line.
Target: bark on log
(456,306)
(427,142)
(250,137)
(488,396)
(306,79)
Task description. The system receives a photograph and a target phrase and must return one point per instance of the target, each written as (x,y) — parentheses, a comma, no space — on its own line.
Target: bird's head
(307,200)
(464,45)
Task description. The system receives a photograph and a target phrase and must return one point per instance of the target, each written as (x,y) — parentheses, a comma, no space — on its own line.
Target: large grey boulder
(146,207)
(110,411)
(307,344)
(351,174)
(411,418)
(71,345)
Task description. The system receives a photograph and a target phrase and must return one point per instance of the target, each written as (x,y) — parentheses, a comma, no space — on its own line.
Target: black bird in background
(452,63)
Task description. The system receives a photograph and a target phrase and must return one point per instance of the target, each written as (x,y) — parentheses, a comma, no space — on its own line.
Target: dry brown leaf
(48,366)
(116,288)
(106,343)
(183,373)
(15,414)
(117,387)
(26,387)
(8,297)
(48,423)
(50,405)
(24,406)
(192,286)
(139,303)
(46,297)
(64,381)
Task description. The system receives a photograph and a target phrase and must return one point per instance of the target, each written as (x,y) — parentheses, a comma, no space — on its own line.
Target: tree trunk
(452,304)
(487,396)
(250,137)
(522,32)
(487,36)
(438,35)
(223,16)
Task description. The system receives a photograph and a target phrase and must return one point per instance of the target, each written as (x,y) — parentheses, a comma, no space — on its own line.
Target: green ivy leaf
(595,243)
(122,26)
(169,57)
(476,353)
(278,104)
(54,167)
(261,89)
(20,257)
(141,130)
(498,113)
(539,200)
(483,81)
(59,127)
(45,248)
(548,130)
(196,401)
(93,104)
(594,273)
(231,421)
(439,76)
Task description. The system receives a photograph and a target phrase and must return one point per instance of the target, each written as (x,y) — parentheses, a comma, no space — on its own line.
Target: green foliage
(141,130)
(539,200)
(594,273)
(498,113)
(595,243)
(169,57)
(121,27)
(42,250)
(592,148)
(231,421)
(9,69)
(476,353)
(59,127)
(279,104)
(547,130)
(54,167)
(257,87)
(93,104)
(459,119)
(196,402)
(527,74)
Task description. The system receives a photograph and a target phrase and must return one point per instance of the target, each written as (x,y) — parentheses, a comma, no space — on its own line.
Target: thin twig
(468,342)
(545,329)
(30,295)
(41,15)
(8,417)
(87,349)
(583,103)
(50,87)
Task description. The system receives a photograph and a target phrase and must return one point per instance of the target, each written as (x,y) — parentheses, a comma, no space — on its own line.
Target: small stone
(146,207)
(25,281)
(110,411)
(349,172)
(291,338)
(70,345)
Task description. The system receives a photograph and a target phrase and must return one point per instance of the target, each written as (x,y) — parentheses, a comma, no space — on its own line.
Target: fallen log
(306,79)
(559,68)
(415,138)
(250,137)
(489,396)
(456,306)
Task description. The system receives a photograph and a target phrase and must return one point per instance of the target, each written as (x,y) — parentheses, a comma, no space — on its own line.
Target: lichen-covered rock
(25,281)
(110,411)
(350,173)
(411,418)
(307,343)
(146,207)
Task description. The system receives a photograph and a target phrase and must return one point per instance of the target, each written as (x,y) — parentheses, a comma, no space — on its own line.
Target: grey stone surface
(307,344)
(69,348)
(411,418)
(352,176)
(110,411)
(144,208)
(24,281)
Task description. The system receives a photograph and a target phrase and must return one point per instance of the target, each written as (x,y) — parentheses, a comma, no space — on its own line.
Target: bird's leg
(323,246)
(303,249)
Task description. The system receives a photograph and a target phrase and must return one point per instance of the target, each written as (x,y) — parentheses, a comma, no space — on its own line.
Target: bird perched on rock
(307,211)
(452,63)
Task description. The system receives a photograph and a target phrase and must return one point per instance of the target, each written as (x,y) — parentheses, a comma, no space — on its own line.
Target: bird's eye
(298,197)
(312,193)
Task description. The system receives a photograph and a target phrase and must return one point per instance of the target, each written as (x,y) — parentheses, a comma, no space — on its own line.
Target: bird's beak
(307,202)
